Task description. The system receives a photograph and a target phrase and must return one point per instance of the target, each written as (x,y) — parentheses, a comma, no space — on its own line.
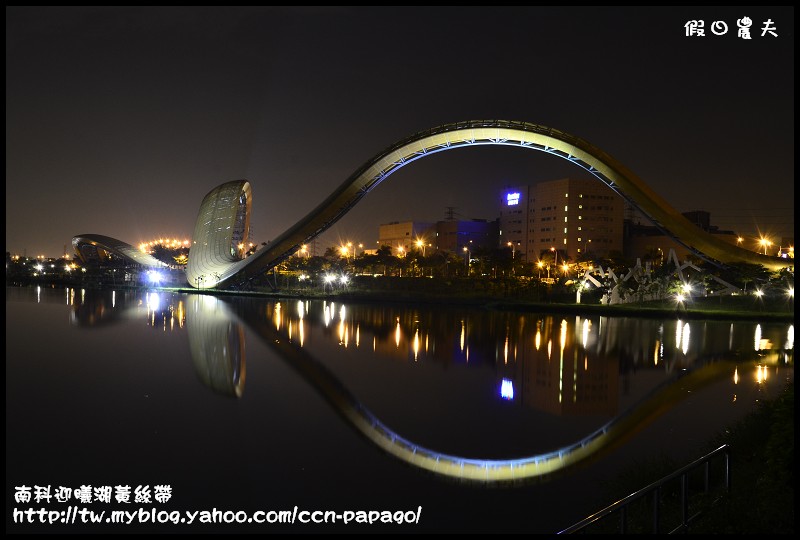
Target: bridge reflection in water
(268,323)
(570,368)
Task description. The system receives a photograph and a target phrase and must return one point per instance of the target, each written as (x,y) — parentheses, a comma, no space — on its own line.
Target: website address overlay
(79,515)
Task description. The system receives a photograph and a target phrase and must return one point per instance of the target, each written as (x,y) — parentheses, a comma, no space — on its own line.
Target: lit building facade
(515,219)
(403,235)
(575,217)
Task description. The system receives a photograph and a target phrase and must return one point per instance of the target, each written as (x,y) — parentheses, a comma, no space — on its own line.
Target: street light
(421,244)
(466,258)
(511,245)
(540,264)
(555,251)
(764,242)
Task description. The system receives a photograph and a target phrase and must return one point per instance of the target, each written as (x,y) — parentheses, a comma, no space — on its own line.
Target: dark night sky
(120,120)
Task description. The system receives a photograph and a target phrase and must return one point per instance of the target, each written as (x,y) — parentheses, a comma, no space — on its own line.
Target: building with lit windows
(574,217)
(515,214)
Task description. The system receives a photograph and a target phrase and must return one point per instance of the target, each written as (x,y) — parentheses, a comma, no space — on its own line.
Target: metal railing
(656,490)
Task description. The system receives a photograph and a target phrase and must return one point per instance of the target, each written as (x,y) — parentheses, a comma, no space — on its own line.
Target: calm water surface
(249,404)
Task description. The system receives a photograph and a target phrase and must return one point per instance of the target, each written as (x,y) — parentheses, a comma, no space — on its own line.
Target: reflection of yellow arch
(216,343)
(536,467)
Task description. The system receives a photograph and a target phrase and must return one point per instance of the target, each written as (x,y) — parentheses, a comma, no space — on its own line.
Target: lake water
(473,420)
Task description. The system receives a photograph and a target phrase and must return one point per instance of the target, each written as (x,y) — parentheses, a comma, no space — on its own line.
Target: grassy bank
(761,498)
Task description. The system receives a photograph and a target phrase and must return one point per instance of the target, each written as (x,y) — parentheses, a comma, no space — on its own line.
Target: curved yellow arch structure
(493,132)
(222,227)
(96,247)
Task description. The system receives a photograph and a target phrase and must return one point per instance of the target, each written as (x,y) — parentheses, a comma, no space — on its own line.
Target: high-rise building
(570,216)
(515,215)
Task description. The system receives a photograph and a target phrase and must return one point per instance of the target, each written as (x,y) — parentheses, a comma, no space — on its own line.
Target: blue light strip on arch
(532,467)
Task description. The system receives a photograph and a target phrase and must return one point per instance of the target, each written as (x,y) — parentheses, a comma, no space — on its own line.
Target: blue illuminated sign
(512,199)
(507,389)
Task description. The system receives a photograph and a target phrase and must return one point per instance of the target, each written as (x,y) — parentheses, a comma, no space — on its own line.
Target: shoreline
(716,308)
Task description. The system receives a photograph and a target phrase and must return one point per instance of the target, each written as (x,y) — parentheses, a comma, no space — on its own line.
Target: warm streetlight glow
(421,245)
(513,251)
(764,243)
(345,250)
(555,254)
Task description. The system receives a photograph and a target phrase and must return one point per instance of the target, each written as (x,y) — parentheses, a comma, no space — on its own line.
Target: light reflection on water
(462,381)
(588,348)
(595,370)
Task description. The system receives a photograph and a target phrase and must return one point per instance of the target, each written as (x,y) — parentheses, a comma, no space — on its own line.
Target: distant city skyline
(121,119)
